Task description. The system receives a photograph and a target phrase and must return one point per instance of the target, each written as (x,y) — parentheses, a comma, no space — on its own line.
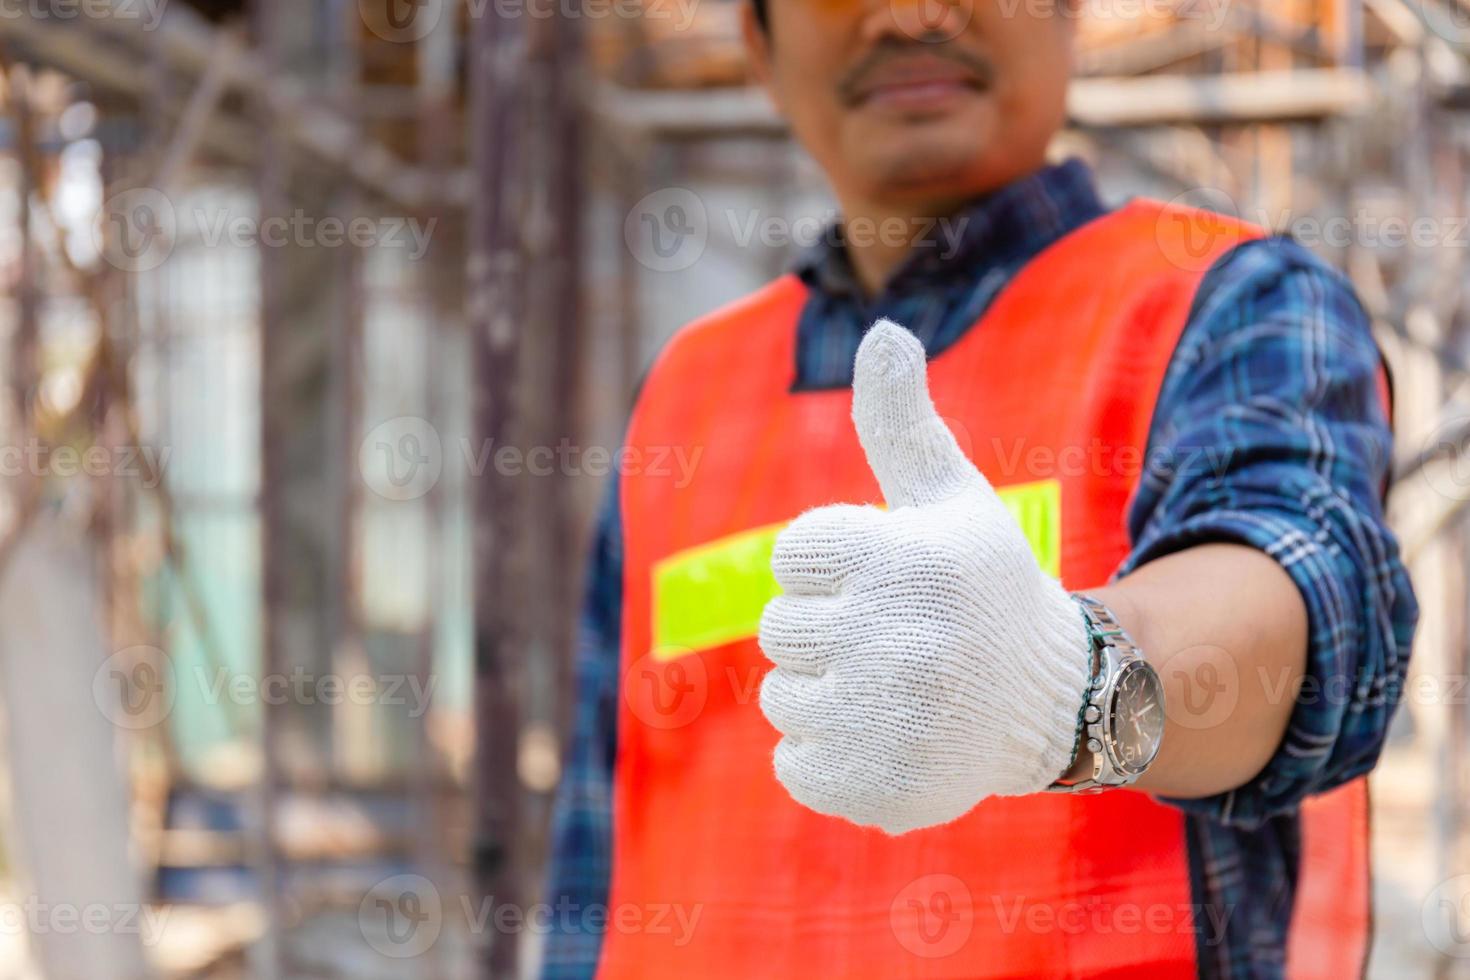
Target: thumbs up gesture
(924,661)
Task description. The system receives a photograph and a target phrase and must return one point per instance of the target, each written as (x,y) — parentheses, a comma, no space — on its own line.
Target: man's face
(918,102)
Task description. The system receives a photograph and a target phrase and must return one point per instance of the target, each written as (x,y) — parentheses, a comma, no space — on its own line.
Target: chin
(927,172)
(939,159)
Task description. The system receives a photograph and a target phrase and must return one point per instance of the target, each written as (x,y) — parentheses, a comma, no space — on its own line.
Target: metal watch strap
(1094,678)
(1103,631)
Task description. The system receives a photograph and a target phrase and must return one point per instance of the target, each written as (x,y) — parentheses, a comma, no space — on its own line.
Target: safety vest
(716,871)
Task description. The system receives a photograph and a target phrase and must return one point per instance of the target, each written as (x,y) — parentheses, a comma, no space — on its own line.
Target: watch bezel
(1115,654)
(1112,695)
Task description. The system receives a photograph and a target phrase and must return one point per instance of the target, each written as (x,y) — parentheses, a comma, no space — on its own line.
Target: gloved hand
(924,661)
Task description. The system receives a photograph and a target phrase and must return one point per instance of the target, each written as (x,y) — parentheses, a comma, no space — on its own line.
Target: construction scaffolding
(308,266)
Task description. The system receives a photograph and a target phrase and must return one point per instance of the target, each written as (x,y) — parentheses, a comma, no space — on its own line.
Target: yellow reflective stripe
(713,593)
(1037,507)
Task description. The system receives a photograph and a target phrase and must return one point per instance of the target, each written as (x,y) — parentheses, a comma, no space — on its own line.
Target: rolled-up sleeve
(1270,432)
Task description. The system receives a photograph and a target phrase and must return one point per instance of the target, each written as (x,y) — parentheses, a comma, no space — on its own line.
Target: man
(822,737)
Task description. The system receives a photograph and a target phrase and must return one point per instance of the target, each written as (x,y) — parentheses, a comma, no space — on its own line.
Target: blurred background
(316,312)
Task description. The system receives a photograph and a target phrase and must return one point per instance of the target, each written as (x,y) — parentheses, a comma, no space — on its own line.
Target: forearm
(1226,629)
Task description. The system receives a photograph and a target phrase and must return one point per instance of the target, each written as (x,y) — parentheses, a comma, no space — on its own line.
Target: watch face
(1136,723)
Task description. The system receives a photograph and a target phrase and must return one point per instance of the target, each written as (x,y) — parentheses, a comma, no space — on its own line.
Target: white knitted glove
(924,661)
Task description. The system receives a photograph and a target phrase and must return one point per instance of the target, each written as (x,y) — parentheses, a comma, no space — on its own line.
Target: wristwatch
(1122,719)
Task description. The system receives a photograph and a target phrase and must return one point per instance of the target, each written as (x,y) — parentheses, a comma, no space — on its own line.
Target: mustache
(850,85)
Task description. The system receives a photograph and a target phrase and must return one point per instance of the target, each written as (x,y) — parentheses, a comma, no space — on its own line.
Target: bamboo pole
(496,302)
(272,178)
(568,202)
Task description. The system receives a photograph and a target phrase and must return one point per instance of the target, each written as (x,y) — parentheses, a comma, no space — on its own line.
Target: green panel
(211,709)
(713,594)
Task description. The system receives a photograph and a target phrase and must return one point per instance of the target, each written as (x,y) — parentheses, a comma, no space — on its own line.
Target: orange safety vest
(716,871)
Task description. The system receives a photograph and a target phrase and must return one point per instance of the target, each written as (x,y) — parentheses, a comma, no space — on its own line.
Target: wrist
(1049,686)
(1122,710)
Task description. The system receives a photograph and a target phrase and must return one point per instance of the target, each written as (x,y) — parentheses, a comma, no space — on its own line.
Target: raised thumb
(909,448)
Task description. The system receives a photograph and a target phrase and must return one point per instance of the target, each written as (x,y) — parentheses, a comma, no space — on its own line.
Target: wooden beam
(496,283)
(106,50)
(272,180)
(676,115)
(1239,97)
(25,341)
(1151,52)
(1150,100)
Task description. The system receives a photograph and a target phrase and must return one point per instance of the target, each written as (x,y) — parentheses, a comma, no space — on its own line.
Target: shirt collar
(1020,219)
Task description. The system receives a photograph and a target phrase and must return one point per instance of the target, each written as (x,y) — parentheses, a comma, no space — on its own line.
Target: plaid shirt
(1276,363)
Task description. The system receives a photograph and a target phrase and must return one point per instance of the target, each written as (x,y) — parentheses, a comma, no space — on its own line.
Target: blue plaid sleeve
(581,829)
(1269,432)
